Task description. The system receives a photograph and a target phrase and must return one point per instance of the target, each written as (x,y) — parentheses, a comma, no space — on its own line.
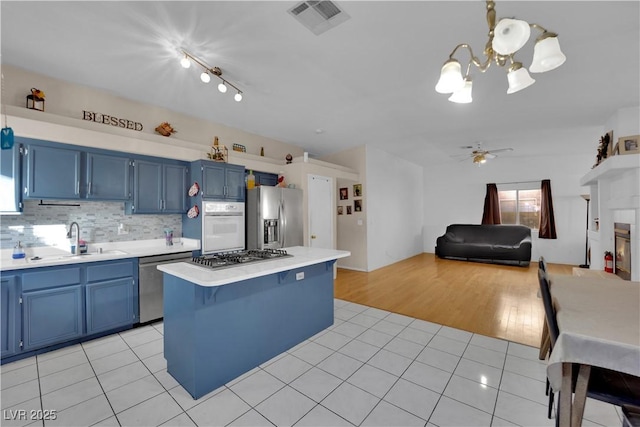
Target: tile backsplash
(98,221)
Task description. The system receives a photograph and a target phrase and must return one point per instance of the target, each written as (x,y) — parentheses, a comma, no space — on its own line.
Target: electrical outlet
(300,275)
(123,229)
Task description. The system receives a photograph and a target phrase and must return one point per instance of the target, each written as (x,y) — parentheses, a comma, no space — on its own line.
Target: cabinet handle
(160,204)
(77,187)
(89,189)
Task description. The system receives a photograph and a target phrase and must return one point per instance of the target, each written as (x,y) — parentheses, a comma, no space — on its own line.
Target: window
(520,207)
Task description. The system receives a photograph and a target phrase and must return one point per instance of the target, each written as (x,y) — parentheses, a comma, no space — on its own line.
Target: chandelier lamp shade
(207,72)
(505,40)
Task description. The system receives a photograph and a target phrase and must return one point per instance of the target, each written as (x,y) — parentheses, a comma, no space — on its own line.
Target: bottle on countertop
(168,236)
(18,252)
(251,180)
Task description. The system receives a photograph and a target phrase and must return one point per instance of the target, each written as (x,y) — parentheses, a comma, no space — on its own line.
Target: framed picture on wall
(348,210)
(357,190)
(340,210)
(357,205)
(344,193)
(629,144)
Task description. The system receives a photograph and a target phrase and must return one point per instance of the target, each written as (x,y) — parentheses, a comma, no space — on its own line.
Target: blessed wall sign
(111,120)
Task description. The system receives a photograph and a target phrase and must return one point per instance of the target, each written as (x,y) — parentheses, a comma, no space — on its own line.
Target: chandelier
(209,71)
(505,39)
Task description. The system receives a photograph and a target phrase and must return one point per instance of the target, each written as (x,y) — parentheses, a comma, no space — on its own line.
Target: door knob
(313,236)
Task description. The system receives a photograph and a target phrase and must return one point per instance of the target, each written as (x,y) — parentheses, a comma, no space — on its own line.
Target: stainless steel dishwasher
(150,283)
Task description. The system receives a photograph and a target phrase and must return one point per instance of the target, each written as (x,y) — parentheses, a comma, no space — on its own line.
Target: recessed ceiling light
(319,131)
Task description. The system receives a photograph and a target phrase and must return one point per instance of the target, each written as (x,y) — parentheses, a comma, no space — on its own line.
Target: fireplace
(623,250)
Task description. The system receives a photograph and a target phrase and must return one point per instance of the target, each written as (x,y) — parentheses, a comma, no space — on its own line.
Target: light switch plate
(300,275)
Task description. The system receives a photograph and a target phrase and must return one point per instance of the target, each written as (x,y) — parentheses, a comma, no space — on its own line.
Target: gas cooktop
(231,259)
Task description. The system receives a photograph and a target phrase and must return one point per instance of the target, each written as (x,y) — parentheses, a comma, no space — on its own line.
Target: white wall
(352,229)
(66,99)
(393,194)
(454,193)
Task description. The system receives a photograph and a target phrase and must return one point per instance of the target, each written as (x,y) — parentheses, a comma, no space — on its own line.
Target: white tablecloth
(599,322)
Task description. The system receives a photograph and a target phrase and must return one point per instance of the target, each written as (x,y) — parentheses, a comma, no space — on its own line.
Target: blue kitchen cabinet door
(109,305)
(108,177)
(264,178)
(10,320)
(147,187)
(234,181)
(52,316)
(223,181)
(51,172)
(213,181)
(10,195)
(175,188)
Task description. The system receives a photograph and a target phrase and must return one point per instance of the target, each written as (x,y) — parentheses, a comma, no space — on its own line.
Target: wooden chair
(548,308)
(605,385)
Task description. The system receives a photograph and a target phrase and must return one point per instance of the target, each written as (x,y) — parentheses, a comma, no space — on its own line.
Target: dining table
(599,325)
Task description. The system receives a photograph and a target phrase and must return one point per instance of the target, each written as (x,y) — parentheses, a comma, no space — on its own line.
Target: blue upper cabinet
(222,181)
(147,187)
(10,192)
(264,178)
(213,180)
(60,171)
(175,188)
(108,177)
(51,172)
(235,182)
(159,187)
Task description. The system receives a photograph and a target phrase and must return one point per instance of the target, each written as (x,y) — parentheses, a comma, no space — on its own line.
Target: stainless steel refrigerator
(274,217)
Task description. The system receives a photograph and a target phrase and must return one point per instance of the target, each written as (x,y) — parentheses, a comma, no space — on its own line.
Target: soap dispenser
(18,251)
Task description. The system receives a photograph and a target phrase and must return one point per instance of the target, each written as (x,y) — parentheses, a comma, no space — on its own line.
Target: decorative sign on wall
(111,120)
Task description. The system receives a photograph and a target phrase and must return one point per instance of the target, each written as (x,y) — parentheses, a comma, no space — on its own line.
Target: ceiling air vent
(318,15)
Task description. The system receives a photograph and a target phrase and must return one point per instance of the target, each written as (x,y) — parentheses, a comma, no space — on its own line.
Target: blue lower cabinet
(50,307)
(10,321)
(109,305)
(52,316)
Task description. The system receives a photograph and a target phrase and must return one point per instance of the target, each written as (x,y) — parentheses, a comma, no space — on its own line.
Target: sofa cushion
(453,238)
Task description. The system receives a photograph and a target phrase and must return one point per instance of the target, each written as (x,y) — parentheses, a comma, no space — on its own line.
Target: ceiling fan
(480,155)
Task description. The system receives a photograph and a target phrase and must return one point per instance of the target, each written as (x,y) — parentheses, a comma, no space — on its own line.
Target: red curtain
(491,213)
(547,229)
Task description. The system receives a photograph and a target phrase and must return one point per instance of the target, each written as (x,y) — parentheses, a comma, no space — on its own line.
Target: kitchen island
(219,324)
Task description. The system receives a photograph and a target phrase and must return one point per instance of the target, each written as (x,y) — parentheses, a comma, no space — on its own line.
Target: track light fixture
(505,39)
(208,72)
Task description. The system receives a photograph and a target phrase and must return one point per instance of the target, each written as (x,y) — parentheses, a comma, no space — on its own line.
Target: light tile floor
(371,368)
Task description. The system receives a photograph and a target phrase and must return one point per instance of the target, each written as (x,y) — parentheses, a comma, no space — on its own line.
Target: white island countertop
(205,276)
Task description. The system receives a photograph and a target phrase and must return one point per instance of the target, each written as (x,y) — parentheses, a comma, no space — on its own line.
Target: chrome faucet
(74,249)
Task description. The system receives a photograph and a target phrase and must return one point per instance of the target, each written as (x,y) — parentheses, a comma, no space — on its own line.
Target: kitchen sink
(79,256)
(110,252)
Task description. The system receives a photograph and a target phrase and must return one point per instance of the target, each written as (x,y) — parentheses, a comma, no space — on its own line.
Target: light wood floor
(493,300)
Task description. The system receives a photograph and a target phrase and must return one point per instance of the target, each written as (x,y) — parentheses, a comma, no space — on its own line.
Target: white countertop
(204,276)
(51,256)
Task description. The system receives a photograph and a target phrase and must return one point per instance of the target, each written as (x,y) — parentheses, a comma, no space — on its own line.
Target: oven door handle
(157,263)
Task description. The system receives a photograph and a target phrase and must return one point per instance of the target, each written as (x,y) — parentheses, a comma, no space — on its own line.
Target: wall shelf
(611,166)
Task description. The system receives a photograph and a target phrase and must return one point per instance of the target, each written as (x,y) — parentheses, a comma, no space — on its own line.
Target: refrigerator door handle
(283,224)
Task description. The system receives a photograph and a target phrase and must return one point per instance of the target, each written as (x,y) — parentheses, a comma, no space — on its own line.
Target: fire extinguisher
(608,262)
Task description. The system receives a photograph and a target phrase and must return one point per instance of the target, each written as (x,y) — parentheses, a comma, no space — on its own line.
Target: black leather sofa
(497,244)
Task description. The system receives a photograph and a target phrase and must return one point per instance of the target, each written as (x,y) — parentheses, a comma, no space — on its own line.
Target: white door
(320,202)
